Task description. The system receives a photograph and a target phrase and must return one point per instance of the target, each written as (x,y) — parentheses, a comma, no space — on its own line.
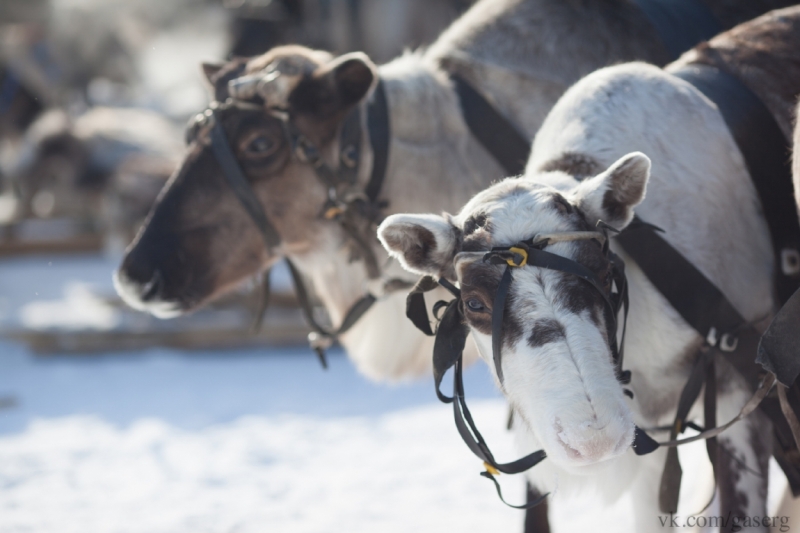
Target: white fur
(522,55)
(701,195)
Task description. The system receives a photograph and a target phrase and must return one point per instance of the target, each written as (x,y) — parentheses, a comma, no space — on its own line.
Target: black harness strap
(350,147)
(322,338)
(671,477)
(767,155)
(240,185)
(263,303)
(680,24)
(500,138)
(379,130)
(452,331)
(704,307)
(782,337)
(451,335)
(498,309)
(726,333)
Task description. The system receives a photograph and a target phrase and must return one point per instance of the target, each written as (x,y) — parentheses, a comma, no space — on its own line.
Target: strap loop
(519,257)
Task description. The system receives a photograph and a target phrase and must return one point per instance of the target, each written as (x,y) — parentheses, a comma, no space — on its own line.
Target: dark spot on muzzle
(546,331)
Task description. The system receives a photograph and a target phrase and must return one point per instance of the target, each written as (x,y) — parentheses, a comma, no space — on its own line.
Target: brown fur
(733,502)
(507,48)
(545,331)
(765,55)
(479,280)
(733,12)
(580,166)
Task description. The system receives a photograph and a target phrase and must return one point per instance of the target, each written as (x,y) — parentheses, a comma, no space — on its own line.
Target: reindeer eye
(475,305)
(260,146)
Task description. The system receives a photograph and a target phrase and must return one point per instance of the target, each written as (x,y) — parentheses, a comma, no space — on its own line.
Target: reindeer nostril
(572,453)
(152,288)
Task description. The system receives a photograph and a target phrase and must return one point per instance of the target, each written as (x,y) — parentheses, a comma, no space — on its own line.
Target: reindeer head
(557,364)
(198,241)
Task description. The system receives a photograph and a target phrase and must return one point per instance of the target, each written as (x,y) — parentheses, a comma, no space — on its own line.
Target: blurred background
(112,420)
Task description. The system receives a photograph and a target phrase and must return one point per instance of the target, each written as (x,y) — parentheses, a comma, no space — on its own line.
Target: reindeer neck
(383,344)
(435,164)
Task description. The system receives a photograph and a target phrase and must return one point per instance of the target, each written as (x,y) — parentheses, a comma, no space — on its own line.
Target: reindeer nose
(592,443)
(140,276)
(152,288)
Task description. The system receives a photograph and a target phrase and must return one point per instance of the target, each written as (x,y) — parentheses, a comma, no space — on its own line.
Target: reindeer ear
(424,244)
(612,195)
(352,76)
(336,86)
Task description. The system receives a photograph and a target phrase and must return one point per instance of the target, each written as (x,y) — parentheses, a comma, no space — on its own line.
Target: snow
(255,440)
(241,441)
(75,293)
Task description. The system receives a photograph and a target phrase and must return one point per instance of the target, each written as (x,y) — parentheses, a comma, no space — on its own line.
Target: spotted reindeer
(588,164)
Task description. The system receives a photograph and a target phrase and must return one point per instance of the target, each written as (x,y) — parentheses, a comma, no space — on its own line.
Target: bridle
(355,210)
(452,330)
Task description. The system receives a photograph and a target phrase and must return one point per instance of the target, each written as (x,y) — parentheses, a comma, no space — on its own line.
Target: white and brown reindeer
(587,165)
(521,55)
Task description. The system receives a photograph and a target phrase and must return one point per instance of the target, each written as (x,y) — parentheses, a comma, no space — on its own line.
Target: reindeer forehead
(290,59)
(512,211)
(274,75)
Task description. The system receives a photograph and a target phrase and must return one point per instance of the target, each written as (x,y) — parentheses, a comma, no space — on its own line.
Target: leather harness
(700,303)
(680,24)
(347,209)
(704,307)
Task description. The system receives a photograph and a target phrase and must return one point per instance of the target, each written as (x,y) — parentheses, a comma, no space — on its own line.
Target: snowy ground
(245,441)
(239,441)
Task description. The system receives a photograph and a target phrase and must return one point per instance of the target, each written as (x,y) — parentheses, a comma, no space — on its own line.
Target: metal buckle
(332,212)
(518,251)
(790,261)
(319,341)
(712,337)
(728,343)
(492,470)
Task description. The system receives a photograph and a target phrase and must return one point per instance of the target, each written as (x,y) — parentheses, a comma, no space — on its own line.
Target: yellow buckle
(492,470)
(678,427)
(519,251)
(333,212)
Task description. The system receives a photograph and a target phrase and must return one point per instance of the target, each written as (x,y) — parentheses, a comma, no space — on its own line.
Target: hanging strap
(240,185)
(263,301)
(671,477)
(322,338)
(379,130)
(450,339)
(703,306)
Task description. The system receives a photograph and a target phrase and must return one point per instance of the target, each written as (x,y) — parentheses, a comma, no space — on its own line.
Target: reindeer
(68,166)
(521,55)
(588,164)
